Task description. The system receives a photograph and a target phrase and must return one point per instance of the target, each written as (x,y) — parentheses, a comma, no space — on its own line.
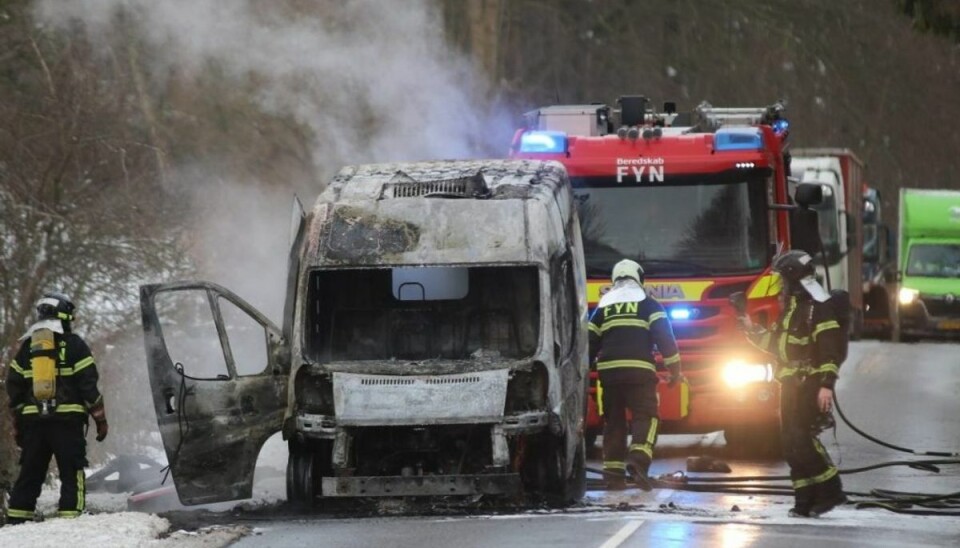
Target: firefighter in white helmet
(625,329)
(52,384)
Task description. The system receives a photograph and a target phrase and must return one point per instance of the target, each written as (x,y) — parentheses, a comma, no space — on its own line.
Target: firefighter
(626,327)
(808,344)
(52,384)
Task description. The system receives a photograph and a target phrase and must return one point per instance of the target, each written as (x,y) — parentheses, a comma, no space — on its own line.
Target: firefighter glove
(673,379)
(99,415)
(102,429)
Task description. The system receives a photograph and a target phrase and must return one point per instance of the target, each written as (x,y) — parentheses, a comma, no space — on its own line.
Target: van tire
(304,470)
(544,471)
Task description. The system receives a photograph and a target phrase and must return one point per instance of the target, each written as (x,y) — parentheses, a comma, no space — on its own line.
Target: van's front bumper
(326,426)
(936,315)
(425,486)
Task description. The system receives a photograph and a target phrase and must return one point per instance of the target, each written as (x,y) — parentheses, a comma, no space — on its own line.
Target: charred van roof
(444,212)
(476,179)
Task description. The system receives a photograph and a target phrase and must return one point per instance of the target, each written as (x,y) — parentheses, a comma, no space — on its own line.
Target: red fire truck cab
(700,200)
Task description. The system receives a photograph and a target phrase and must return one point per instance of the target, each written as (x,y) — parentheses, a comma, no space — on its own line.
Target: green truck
(929,264)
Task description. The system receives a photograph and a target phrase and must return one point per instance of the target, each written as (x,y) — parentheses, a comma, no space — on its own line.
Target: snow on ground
(108,524)
(115,530)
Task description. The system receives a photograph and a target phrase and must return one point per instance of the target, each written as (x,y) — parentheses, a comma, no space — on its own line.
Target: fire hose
(924,504)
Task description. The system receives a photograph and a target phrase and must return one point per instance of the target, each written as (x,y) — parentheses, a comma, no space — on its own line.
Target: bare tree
(79,205)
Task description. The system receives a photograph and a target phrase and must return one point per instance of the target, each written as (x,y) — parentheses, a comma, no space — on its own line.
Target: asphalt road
(907,394)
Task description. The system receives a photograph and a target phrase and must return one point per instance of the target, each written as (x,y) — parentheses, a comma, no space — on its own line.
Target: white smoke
(373,81)
(334,69)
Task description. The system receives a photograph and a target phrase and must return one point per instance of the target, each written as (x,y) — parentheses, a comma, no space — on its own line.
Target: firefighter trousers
(42,439)
(640,399)
(809,462)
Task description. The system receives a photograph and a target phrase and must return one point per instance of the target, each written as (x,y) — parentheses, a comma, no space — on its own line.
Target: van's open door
(219,389)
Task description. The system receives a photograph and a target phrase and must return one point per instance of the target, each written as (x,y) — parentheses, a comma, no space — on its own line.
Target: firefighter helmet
(794,266)
(55,306)
(627,269)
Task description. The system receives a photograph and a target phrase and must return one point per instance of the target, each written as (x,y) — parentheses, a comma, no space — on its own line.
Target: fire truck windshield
(691,228)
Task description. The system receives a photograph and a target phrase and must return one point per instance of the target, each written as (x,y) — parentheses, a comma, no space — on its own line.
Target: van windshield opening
(422,313)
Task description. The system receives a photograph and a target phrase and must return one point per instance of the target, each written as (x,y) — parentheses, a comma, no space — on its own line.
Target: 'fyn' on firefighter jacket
(806,340)
(622,339)
(76,380)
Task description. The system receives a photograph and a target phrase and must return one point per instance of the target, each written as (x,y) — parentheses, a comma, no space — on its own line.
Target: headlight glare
(907,295)
(738,373)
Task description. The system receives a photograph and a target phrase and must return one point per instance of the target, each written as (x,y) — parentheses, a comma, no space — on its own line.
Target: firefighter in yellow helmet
(625,329)
(809,346)
(52,384)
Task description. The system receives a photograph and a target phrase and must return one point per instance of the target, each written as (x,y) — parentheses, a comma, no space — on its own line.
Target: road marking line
(623,534)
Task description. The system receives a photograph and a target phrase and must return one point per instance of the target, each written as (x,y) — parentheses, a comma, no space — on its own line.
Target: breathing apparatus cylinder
(43,362)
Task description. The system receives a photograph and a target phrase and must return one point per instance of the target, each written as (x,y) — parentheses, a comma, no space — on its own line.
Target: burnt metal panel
(471,398)
(414,486)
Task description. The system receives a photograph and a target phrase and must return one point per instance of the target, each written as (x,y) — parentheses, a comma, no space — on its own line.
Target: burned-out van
(433,343)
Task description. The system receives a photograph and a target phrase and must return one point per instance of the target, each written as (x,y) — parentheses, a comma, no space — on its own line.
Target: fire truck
(700,199)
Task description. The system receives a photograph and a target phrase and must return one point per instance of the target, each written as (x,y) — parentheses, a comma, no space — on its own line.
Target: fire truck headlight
(680,313)
(738,373)
(907,295)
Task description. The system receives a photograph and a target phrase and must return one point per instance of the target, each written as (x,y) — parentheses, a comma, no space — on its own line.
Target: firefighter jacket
(623,337)
(76,380)
(806,340)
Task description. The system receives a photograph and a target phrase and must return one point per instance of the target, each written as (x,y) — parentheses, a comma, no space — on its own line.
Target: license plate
(949,324)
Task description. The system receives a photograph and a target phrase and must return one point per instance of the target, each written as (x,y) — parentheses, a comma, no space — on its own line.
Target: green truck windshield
(934,260)
(697,228)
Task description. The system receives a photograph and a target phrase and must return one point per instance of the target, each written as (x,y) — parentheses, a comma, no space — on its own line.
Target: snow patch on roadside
(117,530)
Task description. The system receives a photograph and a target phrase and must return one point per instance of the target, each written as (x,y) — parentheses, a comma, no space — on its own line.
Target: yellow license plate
(949,324)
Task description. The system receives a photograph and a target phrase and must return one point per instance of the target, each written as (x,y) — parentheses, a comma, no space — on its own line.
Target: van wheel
(591,441)
(302,482)
(544,471)
(576,484)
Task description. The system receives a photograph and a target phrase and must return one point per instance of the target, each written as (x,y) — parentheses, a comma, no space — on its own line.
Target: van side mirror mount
(805,230)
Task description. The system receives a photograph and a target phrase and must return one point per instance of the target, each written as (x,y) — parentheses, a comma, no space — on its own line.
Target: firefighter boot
(616,480)
(827,496)
(803,499)
(638,465)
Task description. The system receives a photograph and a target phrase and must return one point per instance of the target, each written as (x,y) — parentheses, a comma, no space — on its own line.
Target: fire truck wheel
(753,442)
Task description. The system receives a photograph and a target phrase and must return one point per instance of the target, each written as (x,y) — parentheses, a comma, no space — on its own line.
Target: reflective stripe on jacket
(806,340)
(623,337)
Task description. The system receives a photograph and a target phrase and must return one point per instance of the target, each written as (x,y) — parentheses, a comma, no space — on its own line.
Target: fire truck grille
(687,332)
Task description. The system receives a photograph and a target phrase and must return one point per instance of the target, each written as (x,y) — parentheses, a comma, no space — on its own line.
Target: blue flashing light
(543,142)
(737,139)
(680,313)
(780,126)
